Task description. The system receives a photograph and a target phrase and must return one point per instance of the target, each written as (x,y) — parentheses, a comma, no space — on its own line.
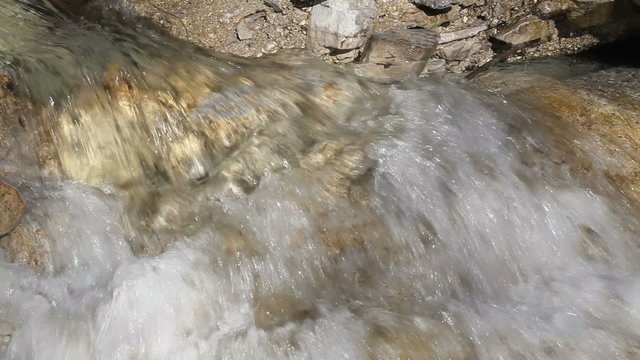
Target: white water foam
(468,253)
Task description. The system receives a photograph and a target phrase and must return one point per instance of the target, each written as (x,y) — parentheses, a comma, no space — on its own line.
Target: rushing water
(428,226)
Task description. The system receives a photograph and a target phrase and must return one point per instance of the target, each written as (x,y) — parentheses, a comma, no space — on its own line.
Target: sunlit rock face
(189,126)
(175,126)
(593,117)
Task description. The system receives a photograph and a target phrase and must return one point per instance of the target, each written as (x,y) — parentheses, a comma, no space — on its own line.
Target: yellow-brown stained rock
(26,247)
(271,311)
(12,208)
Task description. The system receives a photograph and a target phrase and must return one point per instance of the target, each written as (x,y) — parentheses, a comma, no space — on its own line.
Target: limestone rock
(11,208)
(395,54)
(389,74)
(435,4)
(590,13)
(409,341)
(524,30)
(434,66)
(460,50)
(247,25)
(6,330)
(276,5)
(400,46)
(340,25)
(461,34)
(271,311)
(27,247)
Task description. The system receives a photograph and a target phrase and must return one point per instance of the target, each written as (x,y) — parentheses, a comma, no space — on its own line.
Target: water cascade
(192,205)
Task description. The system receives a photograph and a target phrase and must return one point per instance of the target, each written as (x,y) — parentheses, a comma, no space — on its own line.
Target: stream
(202,206)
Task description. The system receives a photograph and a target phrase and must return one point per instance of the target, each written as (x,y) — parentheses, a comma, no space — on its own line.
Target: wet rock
(6,330)
(409,341)
(434,66)
(271,311)
(340,26)
(435,4)
(460,50)
(527,29)
(12,208)
(24,246)
(590,13)
(395,54)
(467,3)
(447,37)
(389,74)
(593,119)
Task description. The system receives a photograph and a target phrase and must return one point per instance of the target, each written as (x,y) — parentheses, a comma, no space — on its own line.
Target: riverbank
(470,32)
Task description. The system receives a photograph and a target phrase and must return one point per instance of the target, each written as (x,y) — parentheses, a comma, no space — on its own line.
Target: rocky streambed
(167,201)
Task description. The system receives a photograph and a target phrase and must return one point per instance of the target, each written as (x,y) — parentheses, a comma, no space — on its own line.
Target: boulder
(447,37)
(526,29)
(394,54)
(400,46)
(338,26)
(460,50)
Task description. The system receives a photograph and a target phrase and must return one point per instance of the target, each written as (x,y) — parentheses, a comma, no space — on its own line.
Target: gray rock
(434,66)
(553,7)
(400,46)
(248,24)
(395,54)
(461,34)
(460,50)
(340,24)
(276,5)
(387,74)
(524,30)
(467,3)
(435,4)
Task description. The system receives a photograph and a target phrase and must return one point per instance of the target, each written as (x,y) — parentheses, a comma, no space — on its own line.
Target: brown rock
(524,30)
(460,50)
(447,37)
(26,247)
(271,311)
(400,46)
(12,208)
(395,54)
(340,25)
(411,342)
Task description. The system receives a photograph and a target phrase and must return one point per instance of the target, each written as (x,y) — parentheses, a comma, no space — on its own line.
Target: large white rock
(340,24)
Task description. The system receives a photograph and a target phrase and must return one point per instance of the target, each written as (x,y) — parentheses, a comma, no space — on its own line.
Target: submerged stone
(12,207)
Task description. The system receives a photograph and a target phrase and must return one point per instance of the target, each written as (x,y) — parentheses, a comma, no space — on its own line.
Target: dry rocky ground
(471,32)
